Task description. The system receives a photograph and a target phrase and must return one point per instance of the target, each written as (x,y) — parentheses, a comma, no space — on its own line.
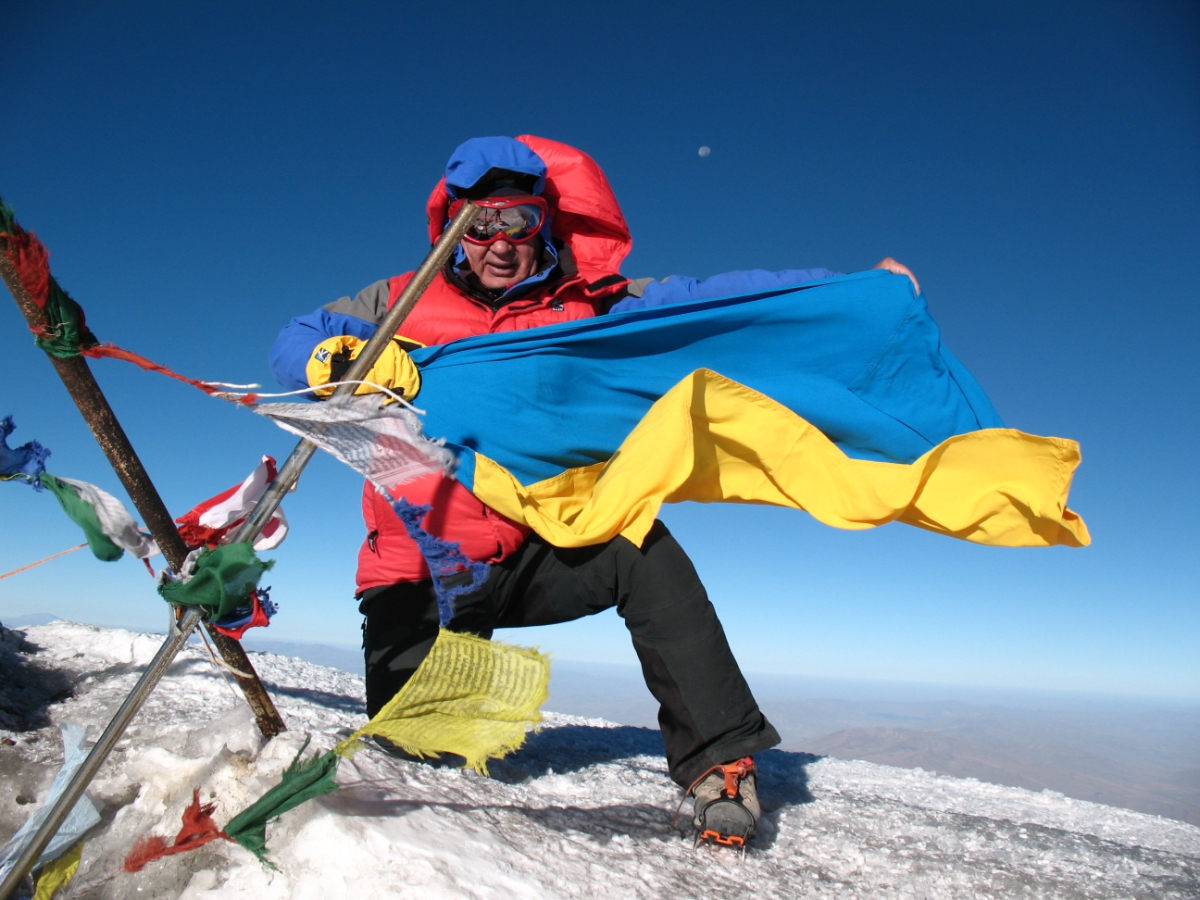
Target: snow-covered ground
(583,810)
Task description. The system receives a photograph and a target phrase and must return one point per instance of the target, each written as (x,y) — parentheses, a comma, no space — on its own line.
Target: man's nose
(502,247)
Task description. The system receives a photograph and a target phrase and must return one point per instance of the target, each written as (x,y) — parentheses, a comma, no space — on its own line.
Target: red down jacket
(587,222)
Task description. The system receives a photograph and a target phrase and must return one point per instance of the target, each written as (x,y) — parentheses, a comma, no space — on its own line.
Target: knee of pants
(662,599)
(673,621)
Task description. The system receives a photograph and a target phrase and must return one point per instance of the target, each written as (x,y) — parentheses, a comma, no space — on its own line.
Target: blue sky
(203,172)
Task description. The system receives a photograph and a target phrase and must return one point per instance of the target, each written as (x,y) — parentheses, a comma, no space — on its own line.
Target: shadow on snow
(27,687)
(574,748)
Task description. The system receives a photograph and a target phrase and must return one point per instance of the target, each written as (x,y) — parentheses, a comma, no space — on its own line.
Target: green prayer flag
(84,515)
(301,781)
(224,578)
(68,332)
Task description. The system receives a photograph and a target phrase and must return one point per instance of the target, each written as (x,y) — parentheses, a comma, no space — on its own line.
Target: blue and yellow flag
(838,398)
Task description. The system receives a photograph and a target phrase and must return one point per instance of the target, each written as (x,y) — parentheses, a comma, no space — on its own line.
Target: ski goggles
(514,219)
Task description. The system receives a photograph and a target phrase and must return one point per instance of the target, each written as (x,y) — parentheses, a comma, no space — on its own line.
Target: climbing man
(546,248)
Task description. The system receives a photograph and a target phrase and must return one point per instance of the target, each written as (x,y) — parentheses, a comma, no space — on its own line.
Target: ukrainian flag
(837,397)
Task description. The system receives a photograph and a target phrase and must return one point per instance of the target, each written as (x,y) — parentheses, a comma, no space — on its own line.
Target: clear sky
(203,172)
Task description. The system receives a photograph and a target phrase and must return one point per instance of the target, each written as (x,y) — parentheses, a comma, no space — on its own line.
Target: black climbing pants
(707,714)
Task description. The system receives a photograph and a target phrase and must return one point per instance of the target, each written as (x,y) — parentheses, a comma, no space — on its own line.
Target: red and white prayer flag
(213,522)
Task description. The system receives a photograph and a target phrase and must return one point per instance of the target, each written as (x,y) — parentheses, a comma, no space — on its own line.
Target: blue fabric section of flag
(444,559)
(857,355)
(24,463)
(243,615)
(682,288)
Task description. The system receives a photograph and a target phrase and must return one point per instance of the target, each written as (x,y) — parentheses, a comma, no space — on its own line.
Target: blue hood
(472,159)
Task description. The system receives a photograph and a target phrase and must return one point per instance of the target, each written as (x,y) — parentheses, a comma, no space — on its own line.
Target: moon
(704,151)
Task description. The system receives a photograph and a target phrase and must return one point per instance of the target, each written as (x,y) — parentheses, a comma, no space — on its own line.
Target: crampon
(726,807)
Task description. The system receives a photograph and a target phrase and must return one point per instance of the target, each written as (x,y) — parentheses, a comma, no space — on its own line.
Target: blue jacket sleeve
(681,289)
(299,338)
(355,317)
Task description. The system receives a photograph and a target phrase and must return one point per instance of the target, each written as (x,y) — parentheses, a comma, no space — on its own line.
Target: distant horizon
(262,641)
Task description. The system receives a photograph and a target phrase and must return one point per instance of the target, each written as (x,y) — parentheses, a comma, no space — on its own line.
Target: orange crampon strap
(734,773)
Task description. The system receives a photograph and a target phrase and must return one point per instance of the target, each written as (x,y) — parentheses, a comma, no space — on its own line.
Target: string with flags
(111,532)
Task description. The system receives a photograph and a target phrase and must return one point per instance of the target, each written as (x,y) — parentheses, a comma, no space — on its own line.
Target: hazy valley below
(1140,754)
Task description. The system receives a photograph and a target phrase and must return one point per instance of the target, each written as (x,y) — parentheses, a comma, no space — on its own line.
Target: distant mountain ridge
(1127,752)
(962,757)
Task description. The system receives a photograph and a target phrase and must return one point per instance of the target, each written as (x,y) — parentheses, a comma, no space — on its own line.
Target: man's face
(501,264)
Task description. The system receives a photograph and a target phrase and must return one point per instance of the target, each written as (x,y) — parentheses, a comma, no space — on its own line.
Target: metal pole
(100,751)
(266,507)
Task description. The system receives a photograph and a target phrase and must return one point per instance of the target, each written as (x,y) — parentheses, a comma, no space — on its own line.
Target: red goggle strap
(502,203)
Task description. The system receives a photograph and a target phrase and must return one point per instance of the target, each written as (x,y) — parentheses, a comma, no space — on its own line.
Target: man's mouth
(501,270)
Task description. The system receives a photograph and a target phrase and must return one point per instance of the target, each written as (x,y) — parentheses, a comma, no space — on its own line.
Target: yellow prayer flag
(471,697)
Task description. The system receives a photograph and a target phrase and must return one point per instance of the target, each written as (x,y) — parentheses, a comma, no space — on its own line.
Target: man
(546,248)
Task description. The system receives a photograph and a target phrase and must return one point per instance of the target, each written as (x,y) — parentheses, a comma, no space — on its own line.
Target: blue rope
(444,559)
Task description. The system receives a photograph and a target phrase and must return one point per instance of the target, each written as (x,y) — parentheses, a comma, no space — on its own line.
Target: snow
(585,808)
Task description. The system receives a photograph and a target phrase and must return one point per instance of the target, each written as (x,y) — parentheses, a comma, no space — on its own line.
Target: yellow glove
(332,357)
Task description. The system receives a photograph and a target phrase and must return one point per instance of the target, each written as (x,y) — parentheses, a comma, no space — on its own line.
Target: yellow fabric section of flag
(471,697)
(712,439)
(58,873)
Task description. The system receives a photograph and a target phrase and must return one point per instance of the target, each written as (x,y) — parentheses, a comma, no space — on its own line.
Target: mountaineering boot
(725,803)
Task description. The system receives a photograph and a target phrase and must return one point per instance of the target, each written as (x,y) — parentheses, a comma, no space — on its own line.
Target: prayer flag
(25,463)
(82,817)
(212,522)
(109,527)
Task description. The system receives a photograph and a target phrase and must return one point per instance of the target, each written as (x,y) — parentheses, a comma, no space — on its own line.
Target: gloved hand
(332,357)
